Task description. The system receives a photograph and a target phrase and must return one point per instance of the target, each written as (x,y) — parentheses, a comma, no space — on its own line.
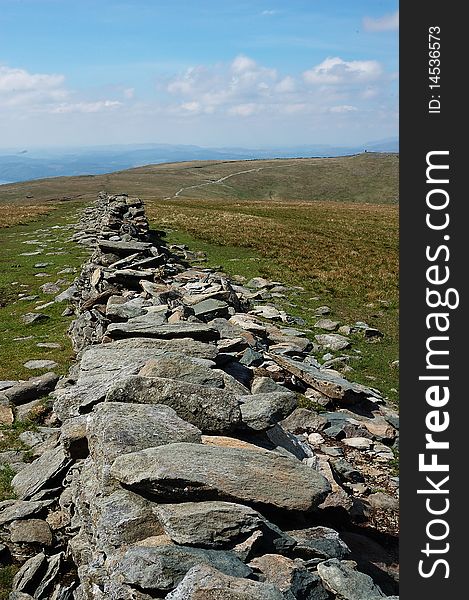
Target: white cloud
(269,13)
(344,108)
(19,80)
(335,70)
(84,107)
(386,23)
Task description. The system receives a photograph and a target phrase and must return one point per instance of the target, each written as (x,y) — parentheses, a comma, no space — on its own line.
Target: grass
(18,276)
(361,178)
(342,256)
(6,580)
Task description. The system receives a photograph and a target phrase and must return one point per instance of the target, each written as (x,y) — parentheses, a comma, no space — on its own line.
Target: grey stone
(261,411)
(319,542)
(31,531)
(217,525)
(21,509)
(212,410)
(115,428)
(290,577)
(330,385)
(53,567)
(118,308)
(67,294)
(125,518)
(123,248)
(251,358)
(211,309)
(162,568)
(259,282)
(102,365)
(284,440)
(264,385)
(40,364)
(51,345)
(25,579)
(50,288)
(203,581)
(332,341)
(40,474)
(30,318)
(173,365)
(6,384)
(327,324)
(32,389)
(146,327)
(303,420)
(191,471)
(340,579)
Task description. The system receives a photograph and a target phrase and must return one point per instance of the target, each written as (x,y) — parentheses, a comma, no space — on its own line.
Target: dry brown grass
(17,214)
(350,250)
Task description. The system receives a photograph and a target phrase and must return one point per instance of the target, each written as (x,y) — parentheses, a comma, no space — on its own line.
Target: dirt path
(212,182)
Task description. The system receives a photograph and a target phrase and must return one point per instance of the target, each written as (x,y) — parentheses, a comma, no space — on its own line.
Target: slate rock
(123,248)
(198,472)
(26,578)
(347,583)
(115,428)
(264,385)
(332,341)
(177,366)
(215,524)
(261,411)
(251,358)
(42,473)
(146,327)
(211,309)
(162,568)
(40,364)
(330,385)
(212,410)
(124,518)
(303,420)
(31,531)
(290,577)
(102,365)
(30,318)
(32,389)
(20,509)
(319,542)
(203,581)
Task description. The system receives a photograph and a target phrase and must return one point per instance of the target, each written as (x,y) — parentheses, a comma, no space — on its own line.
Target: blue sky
(251,73)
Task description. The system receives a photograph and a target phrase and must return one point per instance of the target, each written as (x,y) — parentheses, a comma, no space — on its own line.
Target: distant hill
(366,178)
(25,165)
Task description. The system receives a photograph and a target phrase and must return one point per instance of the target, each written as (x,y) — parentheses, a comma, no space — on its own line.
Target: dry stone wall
(182,465)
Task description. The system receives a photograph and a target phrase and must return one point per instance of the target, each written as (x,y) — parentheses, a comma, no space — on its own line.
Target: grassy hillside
(327,225)
(362,178)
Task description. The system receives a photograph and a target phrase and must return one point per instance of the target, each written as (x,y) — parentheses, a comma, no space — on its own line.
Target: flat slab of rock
(162,568)
(102,365)
(328,384)
(332,341)
(261,411)
(173,365)
(30,318)
(198,472)
(212,410)
(146,327)
(203,581)
(216,524)
(40,364)
(32,389)
(40,474)
(123,248)
(31,531)
(20,509)
(115,428)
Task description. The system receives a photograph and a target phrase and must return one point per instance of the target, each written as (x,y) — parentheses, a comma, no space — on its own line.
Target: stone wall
(186,465)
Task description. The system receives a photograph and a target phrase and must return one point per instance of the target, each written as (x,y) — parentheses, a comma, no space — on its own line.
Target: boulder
(212,410)
(44,472)
(261,411)
(198,472)
(178,366)
(147,327)
(347,583)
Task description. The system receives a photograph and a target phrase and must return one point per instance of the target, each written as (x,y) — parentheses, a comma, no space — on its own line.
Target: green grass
(17,268)
(6,580)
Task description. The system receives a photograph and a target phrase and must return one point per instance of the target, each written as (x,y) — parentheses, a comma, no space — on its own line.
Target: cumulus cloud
(40,92)
(385,23)
(333,71)
(244,88)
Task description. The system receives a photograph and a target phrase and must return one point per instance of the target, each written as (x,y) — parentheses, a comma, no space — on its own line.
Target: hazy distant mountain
(24,164)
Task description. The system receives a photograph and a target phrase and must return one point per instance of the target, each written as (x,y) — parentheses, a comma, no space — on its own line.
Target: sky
(255,73)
